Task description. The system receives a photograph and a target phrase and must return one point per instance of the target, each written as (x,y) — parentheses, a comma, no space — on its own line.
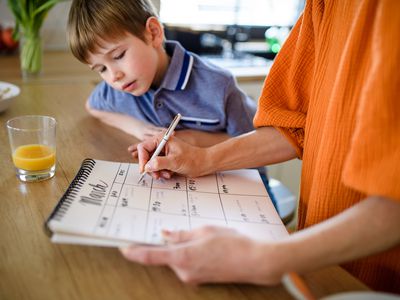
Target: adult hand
(211,254)
(177,156)
(163,173)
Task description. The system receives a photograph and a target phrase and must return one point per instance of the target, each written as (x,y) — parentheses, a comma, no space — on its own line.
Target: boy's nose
(117,76)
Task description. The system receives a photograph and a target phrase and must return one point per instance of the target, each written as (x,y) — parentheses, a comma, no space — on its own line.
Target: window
(201,13)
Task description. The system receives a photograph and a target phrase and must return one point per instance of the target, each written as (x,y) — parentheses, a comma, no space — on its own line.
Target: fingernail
(124,250)
(148,167)
(166,235)
(166,232)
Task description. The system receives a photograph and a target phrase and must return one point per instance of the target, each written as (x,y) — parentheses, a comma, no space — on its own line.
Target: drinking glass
(33,147)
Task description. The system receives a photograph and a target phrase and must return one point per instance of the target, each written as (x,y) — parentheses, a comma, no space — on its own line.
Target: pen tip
(141,177)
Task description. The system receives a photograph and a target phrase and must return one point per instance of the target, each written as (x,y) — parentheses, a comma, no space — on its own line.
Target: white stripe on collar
(199,120)
(188,71)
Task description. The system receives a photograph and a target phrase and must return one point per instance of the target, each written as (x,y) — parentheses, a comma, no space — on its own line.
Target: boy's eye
(120,56)
(102,69)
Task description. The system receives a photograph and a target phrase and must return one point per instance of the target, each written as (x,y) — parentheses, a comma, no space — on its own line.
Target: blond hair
(91,21)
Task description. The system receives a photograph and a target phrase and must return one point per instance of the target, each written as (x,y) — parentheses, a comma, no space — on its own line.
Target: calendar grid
(112,204)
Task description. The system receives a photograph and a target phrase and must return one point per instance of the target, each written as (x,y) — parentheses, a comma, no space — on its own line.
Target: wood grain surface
(31,267)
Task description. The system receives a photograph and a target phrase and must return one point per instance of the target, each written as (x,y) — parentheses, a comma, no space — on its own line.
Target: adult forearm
(201,138)
(367,228)
(260,147)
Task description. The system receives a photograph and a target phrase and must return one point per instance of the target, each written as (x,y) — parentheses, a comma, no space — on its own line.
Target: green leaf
(30,14)
(45,7)
(15,34)
(15,9)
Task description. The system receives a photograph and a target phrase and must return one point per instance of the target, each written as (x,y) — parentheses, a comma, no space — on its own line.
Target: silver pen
(164,140)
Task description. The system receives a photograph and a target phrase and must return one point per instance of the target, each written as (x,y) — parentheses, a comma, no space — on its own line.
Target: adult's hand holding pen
(179,157)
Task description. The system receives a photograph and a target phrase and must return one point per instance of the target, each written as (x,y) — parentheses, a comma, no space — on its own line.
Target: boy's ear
(154,31)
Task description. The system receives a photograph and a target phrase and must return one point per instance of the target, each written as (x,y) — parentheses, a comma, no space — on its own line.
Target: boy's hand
(147,131)
(133,150)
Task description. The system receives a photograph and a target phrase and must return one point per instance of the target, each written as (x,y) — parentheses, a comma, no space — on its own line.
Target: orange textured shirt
(333,91)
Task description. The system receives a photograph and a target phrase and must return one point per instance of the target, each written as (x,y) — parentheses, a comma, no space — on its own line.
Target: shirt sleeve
(239,109)
(285,95)
(373,163)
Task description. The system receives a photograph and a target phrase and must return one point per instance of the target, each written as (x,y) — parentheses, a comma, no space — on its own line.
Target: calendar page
(105,205)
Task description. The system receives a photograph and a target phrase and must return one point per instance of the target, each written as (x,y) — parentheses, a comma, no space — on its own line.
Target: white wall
(53,30)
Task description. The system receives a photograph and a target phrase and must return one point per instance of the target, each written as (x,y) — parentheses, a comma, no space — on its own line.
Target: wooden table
(31,267)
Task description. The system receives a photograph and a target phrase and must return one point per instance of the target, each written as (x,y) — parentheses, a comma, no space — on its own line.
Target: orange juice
(34,157)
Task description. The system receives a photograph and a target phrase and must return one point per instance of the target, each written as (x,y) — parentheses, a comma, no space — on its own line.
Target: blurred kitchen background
(203,26)
(241,35)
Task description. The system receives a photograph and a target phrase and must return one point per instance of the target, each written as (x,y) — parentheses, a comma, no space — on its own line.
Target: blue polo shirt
(206,96)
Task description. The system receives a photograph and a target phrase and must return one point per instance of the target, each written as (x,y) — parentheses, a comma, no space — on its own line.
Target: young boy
(148,80)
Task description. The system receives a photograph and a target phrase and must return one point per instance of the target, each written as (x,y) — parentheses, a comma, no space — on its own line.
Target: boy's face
(127,64)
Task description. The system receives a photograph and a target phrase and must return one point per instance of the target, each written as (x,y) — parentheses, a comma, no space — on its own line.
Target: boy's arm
(128,124)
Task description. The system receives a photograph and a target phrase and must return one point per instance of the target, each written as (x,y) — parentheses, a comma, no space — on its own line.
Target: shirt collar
(179,69)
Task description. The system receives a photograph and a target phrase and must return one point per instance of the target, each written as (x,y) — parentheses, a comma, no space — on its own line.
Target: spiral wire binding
(70,194)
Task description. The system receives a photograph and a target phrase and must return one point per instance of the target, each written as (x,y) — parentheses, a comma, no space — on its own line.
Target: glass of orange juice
(33,146)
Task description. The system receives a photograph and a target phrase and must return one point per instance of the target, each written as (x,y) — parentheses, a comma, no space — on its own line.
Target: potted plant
(29,16)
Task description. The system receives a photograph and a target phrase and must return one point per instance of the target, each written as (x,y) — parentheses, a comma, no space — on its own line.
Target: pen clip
(165,138)
(172,125)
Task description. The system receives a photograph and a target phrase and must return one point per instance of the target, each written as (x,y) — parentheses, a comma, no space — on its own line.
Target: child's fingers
(132,147)
(134,154)
(150,132)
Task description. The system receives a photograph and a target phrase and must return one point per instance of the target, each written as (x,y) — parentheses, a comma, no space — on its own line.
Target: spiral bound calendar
(106,206)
